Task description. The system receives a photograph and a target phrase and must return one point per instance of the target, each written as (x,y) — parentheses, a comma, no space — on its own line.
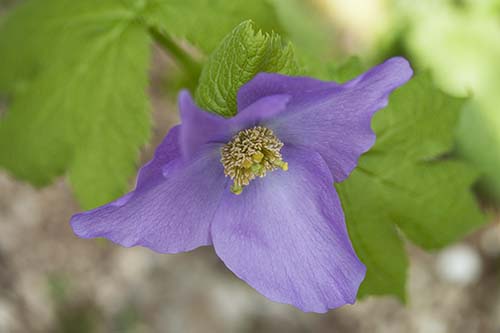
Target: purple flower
(259,186)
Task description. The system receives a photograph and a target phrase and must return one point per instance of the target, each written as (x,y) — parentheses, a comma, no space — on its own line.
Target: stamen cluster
(251,153)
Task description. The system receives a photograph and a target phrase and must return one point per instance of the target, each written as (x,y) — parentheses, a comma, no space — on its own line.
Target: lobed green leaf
(76,75)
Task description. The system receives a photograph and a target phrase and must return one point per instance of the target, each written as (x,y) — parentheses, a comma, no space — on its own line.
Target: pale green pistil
(251,153)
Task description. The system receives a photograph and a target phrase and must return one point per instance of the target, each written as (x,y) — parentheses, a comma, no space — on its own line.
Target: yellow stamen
(251,153)
(258,156)
(236,189)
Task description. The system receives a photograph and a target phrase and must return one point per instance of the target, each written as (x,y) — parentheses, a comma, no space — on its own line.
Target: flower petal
(200,127)
(285,236)
(172,215)
(168,150)
(266,84)
(334,120)
(262,109)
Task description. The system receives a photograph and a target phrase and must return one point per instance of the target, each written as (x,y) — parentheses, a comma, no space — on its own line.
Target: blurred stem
(188,63)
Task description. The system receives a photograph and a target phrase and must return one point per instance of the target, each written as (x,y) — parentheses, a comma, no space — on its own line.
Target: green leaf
(346,71)
(408,181)
(478,140)
(240,56)
(76,74)
(451,41)
(206,22)
(310,30)
(374,236)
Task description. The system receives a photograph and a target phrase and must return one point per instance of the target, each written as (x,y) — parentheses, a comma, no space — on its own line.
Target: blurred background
(51,281)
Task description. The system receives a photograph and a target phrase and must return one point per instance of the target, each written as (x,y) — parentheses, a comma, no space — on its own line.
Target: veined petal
(257,112)
(200,127)
(285,236)
(267,84)
(332,119)
(168,150)
(171,215)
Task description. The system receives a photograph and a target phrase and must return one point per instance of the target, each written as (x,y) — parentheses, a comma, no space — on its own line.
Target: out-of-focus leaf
(206,22)
(459,42)
(76,74)
(310,31)
(345,71)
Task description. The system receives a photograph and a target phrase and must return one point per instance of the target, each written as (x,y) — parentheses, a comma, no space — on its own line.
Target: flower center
(251,153)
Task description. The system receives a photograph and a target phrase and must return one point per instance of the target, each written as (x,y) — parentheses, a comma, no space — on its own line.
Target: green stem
(191,66)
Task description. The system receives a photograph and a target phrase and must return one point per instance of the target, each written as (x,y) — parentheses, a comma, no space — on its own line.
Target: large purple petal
(285,235)
(330,119)
(200,127)
(168,150)
(257,112)
(172,215)
(267,84)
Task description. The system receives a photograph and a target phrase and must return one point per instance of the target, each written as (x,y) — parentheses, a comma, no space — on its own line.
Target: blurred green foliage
(76,76)
(459,41)
(206,22)
(313,35)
